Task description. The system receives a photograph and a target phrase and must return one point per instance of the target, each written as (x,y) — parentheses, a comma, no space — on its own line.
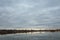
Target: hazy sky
(29,13)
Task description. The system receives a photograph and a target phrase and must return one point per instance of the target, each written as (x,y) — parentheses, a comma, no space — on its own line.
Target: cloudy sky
(29,13)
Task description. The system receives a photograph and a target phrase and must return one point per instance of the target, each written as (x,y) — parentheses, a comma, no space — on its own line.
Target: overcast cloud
(29,13)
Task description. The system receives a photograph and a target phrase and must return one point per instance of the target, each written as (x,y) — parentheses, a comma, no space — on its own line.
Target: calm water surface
(32,36)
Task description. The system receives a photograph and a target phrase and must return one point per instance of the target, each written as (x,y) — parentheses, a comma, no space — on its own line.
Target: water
(32,36)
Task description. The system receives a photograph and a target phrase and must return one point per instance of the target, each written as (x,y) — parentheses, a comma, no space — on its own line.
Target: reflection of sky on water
(38,36)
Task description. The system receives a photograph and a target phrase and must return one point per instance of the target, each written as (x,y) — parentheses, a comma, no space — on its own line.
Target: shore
(26,31)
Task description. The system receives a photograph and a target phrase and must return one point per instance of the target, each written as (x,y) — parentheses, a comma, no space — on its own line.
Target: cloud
(29,13)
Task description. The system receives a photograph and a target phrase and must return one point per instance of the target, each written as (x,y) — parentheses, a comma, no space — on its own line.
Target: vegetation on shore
(26,31)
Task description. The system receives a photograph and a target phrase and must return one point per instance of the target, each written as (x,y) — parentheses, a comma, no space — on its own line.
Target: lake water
(32,36)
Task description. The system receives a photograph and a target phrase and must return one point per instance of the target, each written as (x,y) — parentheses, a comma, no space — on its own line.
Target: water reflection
(32,36)
(36,32)
(26,33)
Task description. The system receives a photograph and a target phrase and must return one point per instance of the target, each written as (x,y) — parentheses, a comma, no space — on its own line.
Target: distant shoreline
(26,31)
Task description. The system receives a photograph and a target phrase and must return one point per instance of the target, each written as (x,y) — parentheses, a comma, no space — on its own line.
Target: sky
(22,13)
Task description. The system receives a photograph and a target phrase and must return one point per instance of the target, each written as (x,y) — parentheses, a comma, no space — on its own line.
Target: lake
(32,36)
